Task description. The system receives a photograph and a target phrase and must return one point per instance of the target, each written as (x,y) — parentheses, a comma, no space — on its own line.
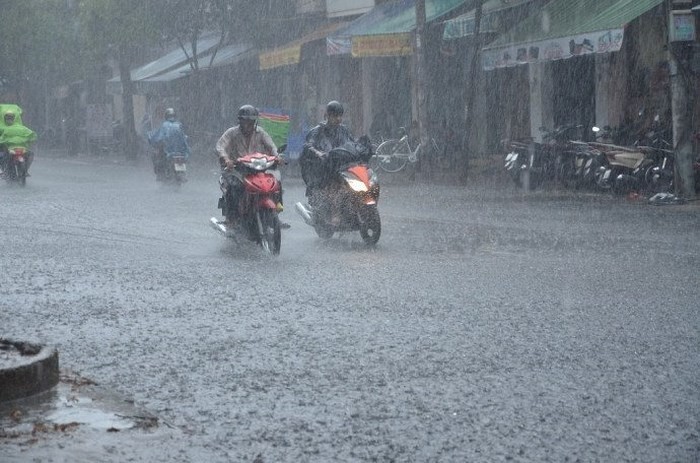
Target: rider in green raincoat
(14,134)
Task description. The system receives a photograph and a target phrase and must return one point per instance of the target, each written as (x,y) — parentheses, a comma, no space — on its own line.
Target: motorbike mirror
(282,148)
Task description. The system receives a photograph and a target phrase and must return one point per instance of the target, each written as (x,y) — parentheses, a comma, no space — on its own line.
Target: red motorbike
(259,203)
(17,165)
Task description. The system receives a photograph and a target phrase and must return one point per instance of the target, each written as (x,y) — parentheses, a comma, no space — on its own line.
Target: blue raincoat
(173,138)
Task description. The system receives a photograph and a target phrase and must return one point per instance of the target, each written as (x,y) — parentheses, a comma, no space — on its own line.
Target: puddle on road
(83,410)
(74,403)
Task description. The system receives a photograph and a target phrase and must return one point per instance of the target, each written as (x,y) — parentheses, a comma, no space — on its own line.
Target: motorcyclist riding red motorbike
(245,138)
(15,140)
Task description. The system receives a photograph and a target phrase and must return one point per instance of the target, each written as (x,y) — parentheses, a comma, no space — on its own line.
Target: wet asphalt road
(486,325)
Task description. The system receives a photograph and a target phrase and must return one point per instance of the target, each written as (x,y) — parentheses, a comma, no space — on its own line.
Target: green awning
(386,29)
(564,29)
(463,25)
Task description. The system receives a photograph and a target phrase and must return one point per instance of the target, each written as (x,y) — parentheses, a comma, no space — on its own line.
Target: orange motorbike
(347,201)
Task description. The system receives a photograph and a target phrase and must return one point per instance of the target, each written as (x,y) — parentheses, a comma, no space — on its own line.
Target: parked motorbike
(647,166)
(620,169)
(16,169)
(259,203)
(347,200)
(659,176)
(552,160)
(519,158)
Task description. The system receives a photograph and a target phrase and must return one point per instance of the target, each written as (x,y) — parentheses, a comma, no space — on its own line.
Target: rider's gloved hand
(228,163)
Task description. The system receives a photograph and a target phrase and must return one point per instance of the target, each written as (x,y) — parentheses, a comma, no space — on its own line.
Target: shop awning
(167,62)
(565,29)
(463,25)
(290,53)
(230,54)
(386,29)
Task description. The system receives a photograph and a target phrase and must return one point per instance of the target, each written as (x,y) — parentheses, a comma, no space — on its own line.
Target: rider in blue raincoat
(170,139)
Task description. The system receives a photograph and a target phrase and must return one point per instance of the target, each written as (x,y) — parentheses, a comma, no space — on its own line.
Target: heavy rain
(359,230)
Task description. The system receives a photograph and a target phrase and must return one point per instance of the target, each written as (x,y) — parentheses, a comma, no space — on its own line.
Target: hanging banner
(276,123)
(280,57)
(381,45)
(553,49)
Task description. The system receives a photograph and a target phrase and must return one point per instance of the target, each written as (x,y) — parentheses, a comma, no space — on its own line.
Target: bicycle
(394,154)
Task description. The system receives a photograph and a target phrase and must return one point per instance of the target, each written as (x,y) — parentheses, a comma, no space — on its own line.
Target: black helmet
(334,108)
(170,114)
(247,113)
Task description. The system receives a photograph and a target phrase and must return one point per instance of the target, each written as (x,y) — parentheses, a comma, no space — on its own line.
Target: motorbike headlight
(356,185)
(259,164)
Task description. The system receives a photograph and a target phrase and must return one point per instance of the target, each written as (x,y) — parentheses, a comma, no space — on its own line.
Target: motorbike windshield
(348,153)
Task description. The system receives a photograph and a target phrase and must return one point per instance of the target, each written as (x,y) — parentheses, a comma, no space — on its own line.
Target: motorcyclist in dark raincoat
(329,134)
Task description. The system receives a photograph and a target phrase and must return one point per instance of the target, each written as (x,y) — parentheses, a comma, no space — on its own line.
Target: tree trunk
(129,143)
(422,82)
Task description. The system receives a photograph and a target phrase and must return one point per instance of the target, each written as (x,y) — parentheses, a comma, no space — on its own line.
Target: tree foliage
(36,41)
(110,27)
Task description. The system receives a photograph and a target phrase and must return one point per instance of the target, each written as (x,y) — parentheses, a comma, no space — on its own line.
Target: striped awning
(565,29)
(387,29)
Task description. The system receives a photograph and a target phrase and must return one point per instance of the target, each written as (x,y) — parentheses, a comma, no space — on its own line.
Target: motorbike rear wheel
(17,173)
(270,232)
(180,178)
(370,225)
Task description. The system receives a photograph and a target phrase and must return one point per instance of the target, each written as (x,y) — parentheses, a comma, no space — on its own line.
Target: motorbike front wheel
(270,231)
(370,225)
(324,231)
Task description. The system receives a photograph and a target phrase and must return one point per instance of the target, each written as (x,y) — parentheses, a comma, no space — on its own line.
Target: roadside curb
(26,369)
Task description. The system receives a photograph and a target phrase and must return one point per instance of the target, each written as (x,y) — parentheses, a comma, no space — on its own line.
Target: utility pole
(421,75)
(683,94)
(471,92)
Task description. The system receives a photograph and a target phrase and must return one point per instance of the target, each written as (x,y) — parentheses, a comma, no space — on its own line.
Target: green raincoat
(15,134)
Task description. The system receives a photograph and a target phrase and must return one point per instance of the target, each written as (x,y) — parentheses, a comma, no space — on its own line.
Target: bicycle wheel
(390,155)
